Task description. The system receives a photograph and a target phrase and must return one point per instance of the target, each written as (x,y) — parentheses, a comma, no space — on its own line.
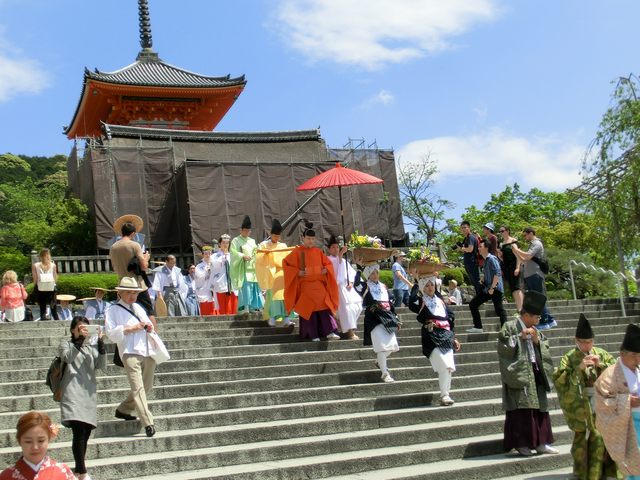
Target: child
(12,297)
(64,309)
(34,432)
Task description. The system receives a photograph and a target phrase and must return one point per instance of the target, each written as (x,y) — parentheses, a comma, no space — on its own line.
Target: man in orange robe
(310,289)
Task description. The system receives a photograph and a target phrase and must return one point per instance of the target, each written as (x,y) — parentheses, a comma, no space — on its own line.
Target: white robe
(350,303)
(204,282)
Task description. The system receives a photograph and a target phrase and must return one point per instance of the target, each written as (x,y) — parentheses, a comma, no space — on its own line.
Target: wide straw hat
(129,284)
(65,298)
(135,219)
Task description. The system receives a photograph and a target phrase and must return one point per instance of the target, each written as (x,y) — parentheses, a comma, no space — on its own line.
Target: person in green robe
(574,379)
(243,269)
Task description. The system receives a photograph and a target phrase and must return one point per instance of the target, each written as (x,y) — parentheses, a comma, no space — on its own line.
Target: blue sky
(497,92)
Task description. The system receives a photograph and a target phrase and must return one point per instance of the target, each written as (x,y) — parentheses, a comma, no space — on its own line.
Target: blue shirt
(492,268)
(397,283)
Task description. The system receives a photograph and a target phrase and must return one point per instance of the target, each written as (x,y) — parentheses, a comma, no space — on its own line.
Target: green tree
(422,208)
(13,168)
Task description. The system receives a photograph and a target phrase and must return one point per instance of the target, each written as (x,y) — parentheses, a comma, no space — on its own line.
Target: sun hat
(129,284)
(137,222)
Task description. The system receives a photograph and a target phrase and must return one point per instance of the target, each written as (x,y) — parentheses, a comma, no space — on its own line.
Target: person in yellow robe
(269,257)
(311,289)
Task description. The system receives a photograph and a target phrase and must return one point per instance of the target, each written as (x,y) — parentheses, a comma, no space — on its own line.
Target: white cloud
(374,33)
(19,75)
(383,97)
(544,162)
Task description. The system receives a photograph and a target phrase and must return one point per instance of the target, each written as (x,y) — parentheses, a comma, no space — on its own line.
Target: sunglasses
(502,231)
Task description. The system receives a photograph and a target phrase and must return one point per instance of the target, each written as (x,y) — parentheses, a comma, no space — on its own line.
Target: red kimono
(49,470)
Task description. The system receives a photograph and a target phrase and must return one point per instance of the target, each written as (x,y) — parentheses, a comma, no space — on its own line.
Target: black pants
(44,299)
(484,297)
(81,434)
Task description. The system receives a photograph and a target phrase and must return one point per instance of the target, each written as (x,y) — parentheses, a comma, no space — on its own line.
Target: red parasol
(339,176)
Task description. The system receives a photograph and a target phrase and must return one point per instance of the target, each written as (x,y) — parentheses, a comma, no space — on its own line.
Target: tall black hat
(276,227)
(584,330)
(308,229)
(246,222)
(534,302)
(631,341)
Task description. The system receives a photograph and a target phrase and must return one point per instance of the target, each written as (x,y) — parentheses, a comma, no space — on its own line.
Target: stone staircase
(240,400)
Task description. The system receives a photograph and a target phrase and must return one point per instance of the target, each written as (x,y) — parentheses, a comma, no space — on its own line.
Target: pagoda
(148,148)
(152,93)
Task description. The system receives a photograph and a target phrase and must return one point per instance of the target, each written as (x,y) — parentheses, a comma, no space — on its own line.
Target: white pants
(444,364)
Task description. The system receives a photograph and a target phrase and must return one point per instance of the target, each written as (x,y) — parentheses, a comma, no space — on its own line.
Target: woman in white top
(44,275)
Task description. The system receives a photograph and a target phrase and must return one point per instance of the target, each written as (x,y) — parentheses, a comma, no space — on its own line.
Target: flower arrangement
(421,255)
(358,241)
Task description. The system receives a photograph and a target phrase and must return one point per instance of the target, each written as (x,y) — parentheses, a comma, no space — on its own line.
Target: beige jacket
(614,420)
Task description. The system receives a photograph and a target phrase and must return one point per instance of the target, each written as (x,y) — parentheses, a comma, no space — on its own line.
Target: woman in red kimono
(34,432)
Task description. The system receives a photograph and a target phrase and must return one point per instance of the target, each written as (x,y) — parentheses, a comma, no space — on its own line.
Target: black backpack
(543,263)
(54,377)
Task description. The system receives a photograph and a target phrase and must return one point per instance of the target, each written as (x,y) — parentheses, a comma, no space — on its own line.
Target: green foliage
(79,284)
(36,209)
(588,283)
(13,168)
(12,259)
(386,277)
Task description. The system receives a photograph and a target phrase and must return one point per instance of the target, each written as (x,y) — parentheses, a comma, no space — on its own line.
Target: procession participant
(79,402)
(380,320)
(169,284)
(204,282)
(526,370)
(311,289)
(226,298)
(95,307)
(243,269)
(34,432)
(63,310)
(127,325)
(349,301)
(574,379)
(437,334)
(193,309)
(617,394)
(270,275)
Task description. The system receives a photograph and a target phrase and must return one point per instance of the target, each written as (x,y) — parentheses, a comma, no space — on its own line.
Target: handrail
(619,276)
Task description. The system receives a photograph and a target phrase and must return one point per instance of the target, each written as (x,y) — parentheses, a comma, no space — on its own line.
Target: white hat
(129,284)
(423,281)
(369,269)
(65,298)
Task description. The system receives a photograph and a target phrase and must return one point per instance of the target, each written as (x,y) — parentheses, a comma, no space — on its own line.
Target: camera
(146,327)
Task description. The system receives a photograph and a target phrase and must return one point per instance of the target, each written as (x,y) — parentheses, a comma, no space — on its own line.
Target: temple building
(144,144)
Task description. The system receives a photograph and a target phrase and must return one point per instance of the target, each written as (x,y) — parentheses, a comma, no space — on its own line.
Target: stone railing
(101,263)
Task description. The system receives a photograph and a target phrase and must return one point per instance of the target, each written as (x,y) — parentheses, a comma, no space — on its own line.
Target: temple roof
(149,70)
(206,136)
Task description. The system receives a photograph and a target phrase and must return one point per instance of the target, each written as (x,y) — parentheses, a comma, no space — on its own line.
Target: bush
(455,273)
(79,284)
(386,277)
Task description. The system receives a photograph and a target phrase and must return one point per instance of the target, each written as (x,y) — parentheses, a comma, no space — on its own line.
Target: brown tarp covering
(190,192)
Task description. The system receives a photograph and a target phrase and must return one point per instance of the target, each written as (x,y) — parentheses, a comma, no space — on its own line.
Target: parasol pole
(344,237)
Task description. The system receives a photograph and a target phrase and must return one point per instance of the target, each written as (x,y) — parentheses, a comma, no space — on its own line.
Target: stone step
(372,458)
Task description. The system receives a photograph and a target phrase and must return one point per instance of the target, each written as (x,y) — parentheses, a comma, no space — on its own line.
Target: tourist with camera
(127,325)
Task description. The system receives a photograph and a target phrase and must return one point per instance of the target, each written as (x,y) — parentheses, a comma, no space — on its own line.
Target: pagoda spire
(146,41)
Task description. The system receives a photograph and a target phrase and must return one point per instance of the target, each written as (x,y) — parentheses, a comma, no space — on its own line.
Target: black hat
(534,302)
(631,341)
(246,222)
(276,228)
(308,229)
(332,240)
(584,330)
